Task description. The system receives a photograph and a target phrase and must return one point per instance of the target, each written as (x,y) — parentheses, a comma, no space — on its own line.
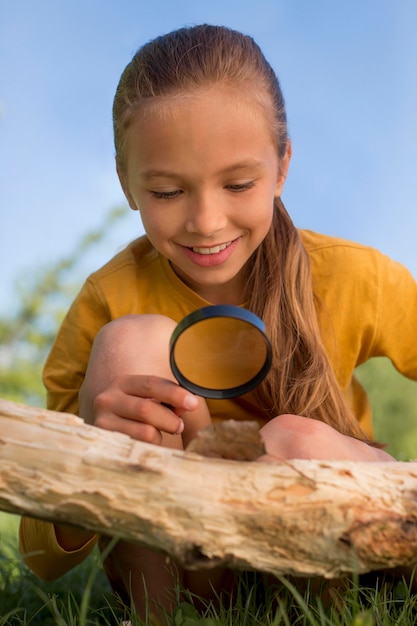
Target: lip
(214,258)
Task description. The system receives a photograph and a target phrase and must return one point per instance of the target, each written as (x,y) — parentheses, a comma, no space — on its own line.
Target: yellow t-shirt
(368,307)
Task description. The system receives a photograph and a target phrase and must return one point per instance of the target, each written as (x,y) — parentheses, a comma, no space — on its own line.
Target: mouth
(212,249)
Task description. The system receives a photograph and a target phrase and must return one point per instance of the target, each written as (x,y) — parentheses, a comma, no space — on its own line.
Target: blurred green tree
(44,295)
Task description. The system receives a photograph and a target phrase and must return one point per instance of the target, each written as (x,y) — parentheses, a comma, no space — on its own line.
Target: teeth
(213,250)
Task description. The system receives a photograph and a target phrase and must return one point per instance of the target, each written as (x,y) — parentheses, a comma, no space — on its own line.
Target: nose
(206,215)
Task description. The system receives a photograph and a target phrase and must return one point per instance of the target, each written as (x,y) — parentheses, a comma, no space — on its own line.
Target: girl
(202,152)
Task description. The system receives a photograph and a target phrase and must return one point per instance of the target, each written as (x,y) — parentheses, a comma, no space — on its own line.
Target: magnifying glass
(220,351)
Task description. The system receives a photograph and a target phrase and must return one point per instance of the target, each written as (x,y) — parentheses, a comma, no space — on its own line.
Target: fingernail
(180,428)
(190,402)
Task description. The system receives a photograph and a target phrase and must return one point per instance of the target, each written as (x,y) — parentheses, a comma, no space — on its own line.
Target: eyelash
(166,195)
(241,187)
(170,195)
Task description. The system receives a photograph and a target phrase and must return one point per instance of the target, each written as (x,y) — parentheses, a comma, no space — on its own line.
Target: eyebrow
(249,164)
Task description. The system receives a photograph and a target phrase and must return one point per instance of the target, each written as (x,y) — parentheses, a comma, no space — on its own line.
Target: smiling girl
(202,152)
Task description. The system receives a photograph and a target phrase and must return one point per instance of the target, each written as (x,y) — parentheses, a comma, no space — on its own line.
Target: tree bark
(308,518)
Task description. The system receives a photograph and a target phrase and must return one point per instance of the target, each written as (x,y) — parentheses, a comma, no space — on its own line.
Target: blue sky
(349,75)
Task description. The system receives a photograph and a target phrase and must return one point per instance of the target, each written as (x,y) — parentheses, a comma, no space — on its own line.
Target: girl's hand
(144,407)
(295,437)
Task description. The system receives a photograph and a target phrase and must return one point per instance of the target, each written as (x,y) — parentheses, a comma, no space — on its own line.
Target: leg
(295,437)
(137,345)
(141,577)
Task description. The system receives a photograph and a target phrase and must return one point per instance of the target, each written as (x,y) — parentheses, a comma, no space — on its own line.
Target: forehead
(213,118)
(248,97)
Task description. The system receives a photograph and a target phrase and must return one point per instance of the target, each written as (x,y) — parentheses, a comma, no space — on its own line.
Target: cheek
(262,218)
(157,223)
(263,223)
(148,220)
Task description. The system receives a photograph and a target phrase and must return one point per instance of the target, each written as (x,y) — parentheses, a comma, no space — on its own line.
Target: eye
(166,195)
(239,187)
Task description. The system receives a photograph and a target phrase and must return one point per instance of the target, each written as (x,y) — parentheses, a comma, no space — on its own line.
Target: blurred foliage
(44,295)
(394,404)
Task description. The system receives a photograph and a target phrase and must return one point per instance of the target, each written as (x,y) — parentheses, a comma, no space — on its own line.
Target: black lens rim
(208,312)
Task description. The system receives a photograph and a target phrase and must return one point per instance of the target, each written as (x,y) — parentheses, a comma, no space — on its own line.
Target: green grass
(24,599)
(83,597)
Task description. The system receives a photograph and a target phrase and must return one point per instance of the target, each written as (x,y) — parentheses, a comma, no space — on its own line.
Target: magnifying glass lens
(220,351)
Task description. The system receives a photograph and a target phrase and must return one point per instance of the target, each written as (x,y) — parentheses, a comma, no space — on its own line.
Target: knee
(289,436)
(131,329)
(134,344)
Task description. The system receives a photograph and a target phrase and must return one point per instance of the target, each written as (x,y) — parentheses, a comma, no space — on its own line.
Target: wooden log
(305,518)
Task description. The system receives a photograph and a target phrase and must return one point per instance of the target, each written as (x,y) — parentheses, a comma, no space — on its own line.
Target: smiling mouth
(212,250)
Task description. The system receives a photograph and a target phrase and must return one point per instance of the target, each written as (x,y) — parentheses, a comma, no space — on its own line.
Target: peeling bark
(308,518)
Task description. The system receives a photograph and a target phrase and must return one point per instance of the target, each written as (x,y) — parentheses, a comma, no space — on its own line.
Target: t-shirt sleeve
(42,553)
(396,324)
(66,365)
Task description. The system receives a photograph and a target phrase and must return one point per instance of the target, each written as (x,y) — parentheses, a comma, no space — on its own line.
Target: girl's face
(203,171)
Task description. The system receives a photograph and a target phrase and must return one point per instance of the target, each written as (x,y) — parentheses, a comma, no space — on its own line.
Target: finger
(132,428)
(135,409)
(160,389)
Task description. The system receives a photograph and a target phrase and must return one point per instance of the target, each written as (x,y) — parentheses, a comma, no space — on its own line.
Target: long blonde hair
(279,286)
